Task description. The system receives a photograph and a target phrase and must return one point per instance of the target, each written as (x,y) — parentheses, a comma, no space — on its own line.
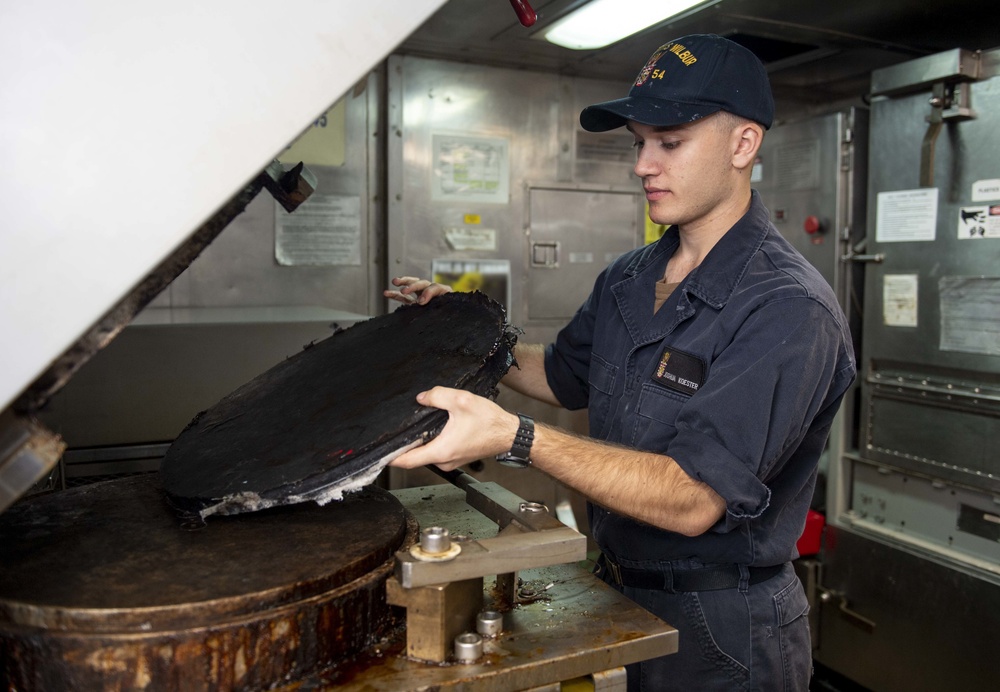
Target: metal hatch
(122,138)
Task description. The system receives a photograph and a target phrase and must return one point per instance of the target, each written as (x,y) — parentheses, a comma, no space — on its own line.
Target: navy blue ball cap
(687,79)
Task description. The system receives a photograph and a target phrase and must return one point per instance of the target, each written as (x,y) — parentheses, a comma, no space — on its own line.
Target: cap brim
(609,115)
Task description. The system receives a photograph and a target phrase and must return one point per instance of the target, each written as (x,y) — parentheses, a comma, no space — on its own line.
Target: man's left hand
(477,428)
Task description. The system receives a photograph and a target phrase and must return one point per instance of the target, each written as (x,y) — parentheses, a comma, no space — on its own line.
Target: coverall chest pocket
(655,417)
(601,379)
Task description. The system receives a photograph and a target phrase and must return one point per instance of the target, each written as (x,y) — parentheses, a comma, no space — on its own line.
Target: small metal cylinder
(435,540)
(489,623)
(468,647)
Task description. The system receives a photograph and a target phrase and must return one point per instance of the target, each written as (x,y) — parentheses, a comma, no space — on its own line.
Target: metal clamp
(877,258)
(290,188)
(856,254)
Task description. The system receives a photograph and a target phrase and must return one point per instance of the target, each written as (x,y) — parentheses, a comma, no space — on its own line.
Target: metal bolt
(489,623)
(435,540)
(468,647)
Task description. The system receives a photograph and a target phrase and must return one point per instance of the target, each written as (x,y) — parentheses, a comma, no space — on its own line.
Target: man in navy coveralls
(712,363)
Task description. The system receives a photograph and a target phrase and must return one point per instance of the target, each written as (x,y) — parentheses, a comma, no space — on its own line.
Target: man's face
(686,170)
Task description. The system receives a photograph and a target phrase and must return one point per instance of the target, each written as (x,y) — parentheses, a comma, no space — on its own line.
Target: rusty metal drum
(101,587)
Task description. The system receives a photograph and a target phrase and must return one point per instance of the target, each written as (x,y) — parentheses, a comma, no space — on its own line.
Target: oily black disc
(327,419)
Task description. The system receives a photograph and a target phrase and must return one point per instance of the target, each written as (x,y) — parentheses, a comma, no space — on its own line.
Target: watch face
(514,462)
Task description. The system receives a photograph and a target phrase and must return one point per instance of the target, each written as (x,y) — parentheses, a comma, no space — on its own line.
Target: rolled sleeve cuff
(705,460)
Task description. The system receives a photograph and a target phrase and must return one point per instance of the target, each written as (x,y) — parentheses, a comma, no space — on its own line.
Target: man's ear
(747,138)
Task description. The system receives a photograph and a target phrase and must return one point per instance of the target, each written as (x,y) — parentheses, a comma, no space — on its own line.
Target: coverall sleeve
(567,361)
(783,367)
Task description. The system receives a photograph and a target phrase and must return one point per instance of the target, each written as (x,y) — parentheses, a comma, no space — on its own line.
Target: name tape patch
(679,371)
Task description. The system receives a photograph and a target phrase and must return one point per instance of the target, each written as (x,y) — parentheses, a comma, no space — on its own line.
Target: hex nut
(435,540)
(489,623)
(468,647)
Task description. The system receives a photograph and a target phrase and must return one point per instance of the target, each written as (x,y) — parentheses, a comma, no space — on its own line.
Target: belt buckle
(616,572)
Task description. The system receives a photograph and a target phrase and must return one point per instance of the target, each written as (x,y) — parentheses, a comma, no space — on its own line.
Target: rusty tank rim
(112,557)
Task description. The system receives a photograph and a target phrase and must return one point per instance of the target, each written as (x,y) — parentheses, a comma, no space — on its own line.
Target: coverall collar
(715,279)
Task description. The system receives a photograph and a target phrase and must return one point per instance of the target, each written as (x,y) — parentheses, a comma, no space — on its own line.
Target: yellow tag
(654,231)
(466,282)
(324,143)
(473,219)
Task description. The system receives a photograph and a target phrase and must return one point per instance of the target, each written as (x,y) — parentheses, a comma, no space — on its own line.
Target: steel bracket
(28,450)
(530,537)
(443,596)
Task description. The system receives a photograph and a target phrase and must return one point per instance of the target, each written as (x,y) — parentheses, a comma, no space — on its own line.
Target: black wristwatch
(520,452)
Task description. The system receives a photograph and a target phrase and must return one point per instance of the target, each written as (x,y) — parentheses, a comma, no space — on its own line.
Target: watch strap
(520,450)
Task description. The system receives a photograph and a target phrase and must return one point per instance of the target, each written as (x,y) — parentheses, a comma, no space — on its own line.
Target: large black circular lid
(329,418)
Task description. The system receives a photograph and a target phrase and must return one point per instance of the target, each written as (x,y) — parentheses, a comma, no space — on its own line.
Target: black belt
(704,579)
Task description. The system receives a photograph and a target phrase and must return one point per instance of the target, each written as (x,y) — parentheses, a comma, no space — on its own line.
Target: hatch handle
(852,616)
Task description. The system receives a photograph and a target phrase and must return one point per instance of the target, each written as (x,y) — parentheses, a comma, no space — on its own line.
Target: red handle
(525,14)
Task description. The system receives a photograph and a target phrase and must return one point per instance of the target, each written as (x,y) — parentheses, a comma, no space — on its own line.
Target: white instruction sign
(324,231)
(899,300)
(470,169)
(907,215)
(463,238)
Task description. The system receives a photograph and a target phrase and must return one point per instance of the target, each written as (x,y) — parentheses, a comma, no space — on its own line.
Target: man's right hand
(415,290)
(528,377)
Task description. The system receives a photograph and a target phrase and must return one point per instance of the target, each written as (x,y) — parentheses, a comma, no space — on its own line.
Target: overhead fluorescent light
(602,22)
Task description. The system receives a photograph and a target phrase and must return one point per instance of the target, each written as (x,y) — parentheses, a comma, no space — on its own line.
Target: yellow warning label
(654,231)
